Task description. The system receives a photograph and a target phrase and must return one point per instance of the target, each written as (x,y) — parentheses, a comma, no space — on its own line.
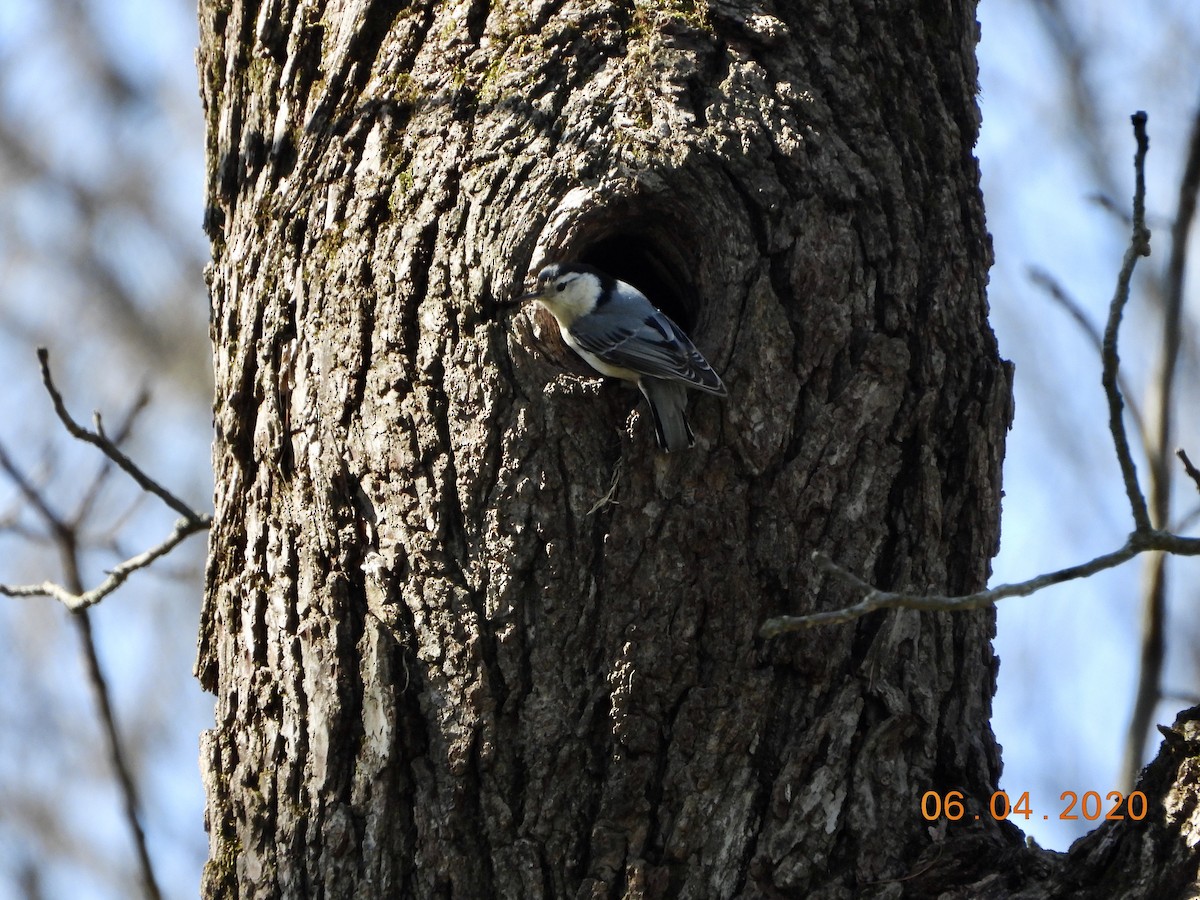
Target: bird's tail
(668,400)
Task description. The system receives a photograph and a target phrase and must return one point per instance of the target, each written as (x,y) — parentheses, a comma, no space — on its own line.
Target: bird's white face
(567,294)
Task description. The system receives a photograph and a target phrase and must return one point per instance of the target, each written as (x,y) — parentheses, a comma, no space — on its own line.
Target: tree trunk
(470,633)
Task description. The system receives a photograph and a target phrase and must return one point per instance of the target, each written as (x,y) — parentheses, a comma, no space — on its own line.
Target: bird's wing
(649,343)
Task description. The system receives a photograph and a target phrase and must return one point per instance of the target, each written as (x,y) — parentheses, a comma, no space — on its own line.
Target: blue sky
(1069,654)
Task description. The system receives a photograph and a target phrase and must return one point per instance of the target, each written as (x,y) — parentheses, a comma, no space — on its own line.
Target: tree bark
(470,634)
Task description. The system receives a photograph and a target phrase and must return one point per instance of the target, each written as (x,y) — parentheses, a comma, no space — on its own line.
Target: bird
(620,333)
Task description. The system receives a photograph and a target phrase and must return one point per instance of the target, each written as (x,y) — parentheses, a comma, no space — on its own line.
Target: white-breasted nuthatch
(620,333)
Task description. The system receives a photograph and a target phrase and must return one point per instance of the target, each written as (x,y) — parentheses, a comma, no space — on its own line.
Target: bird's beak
(520,300)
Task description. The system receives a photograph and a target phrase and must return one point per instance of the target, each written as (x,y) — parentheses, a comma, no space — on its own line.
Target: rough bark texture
(470,634)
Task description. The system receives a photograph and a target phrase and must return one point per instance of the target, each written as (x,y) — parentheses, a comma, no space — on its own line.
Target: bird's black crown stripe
(608,284)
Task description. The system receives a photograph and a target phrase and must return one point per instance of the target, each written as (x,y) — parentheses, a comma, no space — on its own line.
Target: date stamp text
(1114,806)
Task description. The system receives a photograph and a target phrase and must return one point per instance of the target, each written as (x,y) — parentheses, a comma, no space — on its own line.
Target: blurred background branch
(67,534)
(1095,657)
(101,254)
(1160,450)
(1144,538)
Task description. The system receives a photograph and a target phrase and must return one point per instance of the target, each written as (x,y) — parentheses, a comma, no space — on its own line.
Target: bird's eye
(561,287)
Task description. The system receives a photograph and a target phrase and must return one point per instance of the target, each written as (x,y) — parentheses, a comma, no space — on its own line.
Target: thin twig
(117,576)
(92,494)
(1139,246)
(65,534)
(874,599)
(612,491)
(108,448)
(1154,599)
(1192,471)
(1144,537)
(1189,187)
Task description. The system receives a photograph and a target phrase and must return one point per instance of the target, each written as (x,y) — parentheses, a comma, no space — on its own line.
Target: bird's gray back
(627,331)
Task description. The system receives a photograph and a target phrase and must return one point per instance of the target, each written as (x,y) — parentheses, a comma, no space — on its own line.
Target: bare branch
(612,491)
(109,449)
(1154,599)
(1192,471)
(1144,537)
(1173,327)
(74,597)
(874,599)
(66,537)
(1139,246)
(92,494)
(184,528)
(116,753)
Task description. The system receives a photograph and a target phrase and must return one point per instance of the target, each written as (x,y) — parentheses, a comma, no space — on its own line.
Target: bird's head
(568,290)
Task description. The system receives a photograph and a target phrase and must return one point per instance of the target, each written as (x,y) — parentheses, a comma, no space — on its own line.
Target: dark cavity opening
(636,259)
